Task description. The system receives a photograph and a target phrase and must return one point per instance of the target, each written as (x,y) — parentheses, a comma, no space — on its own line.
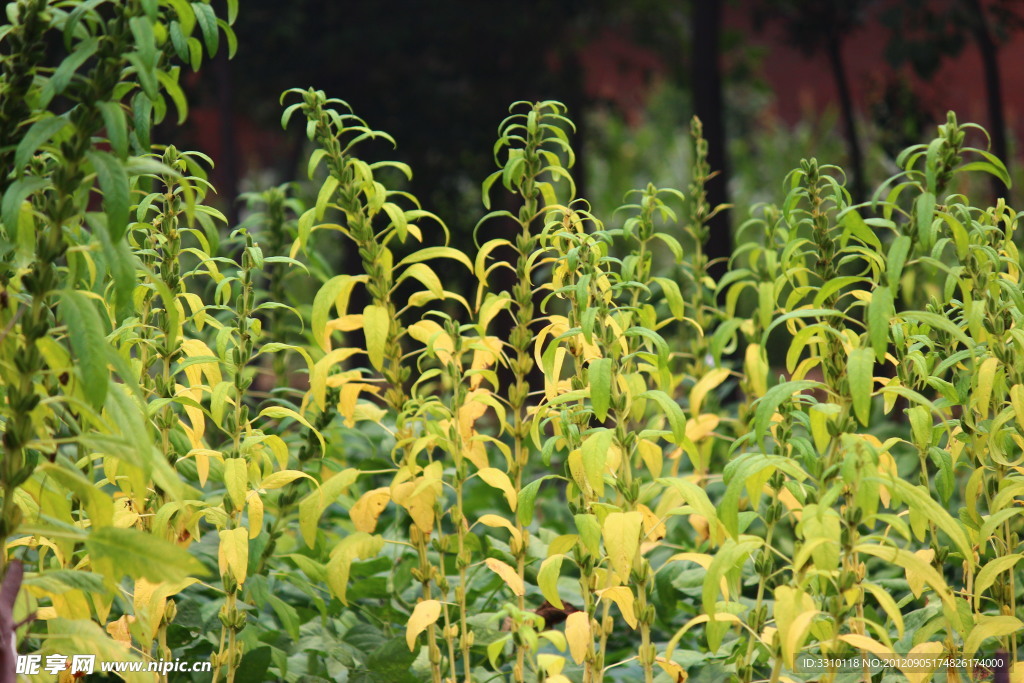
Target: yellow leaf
(794,610)
(507,574)
(255,507)
(701,426)
(149,600)
(621,533)
(755,365)
(675,672)
(423,615)
(1017,400)
(321,369)
(650,453)
(278,479)
(866,643)
(236,480)
(496,521)
(708,382)
(233,555)
(986,377)
(419,504)
(119,630)
(915,579)
(194,348)
(367,509)
(928,651)
(654,528)
(623,597)
(432,335)
(577,632)
(499,480)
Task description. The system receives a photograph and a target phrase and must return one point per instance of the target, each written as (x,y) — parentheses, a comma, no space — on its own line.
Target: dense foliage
(583,467)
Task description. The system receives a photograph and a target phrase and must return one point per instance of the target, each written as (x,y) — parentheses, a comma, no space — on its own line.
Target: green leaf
(594,452)
(113,181)
(673,297)
(36,136)
(376,323)
(169,80)
(62,76)
(881,311)
(898,251)
(924,210)
(16,194)
(599,374)
(207,21)
(527,497)
(859,370)
(142,555)
(547,579)
(437,252)
(987,575)
(590,533)
(117,128)
(768,404)
(990,627)
(87,334)
(676,418)
(917,497)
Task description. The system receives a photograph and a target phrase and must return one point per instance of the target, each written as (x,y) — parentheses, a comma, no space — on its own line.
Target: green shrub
(591,472)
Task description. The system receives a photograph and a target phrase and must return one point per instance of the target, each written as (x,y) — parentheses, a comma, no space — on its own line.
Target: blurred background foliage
(851,82)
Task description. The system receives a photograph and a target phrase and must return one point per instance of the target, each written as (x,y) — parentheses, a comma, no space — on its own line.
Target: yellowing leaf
(233,555)
(676,673)
(923,652)
(376,323)
(282,413)
(651,454)
(496,521)
(990,627)
(236,480)
(120,631)
(432,335)
(577,632)
(547,579)
(497,479)
(794,610)
(866,643)
(708,382)
(356,546)
(623,597)
(367,509)
(987,575)
(755,365)
(654,528)
(254,505)
(700,427)
(507,574)
(278,479)
(418,502)
(621,533)
(986,377)
(423,615)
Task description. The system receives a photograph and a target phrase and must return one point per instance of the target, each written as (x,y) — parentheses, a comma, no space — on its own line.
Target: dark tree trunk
(710,109)
(993,88)
(857,183)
